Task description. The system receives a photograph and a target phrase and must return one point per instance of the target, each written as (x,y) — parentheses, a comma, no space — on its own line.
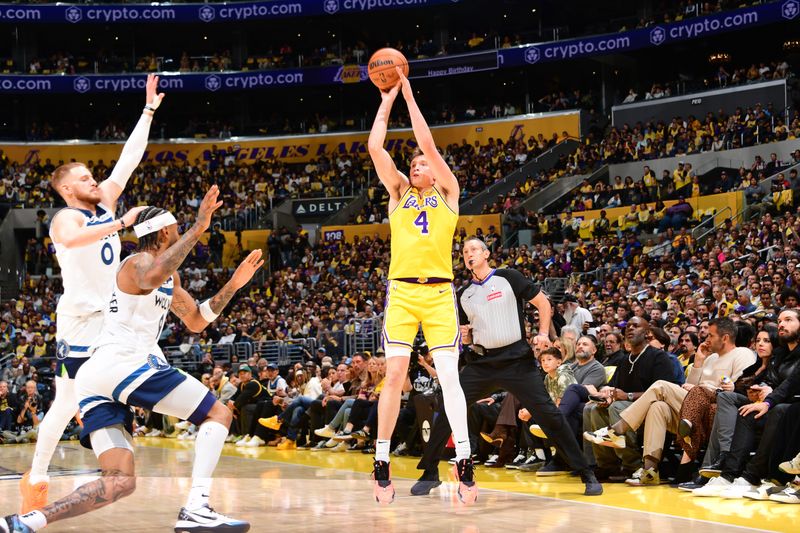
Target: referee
(493,324)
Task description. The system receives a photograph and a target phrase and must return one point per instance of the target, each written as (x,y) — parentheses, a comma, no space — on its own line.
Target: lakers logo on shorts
(156,363)
(62,349)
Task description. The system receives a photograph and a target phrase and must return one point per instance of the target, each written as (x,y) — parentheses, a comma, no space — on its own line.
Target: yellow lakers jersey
(422,236)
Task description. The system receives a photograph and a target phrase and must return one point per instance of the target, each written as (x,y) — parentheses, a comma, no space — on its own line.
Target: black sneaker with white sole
(207,520)
(426,483)
(696,483)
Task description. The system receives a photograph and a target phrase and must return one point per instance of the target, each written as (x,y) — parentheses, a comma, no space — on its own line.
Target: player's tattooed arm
(221,299)
(113,485)
(185,307)
(152,271)
(244,273)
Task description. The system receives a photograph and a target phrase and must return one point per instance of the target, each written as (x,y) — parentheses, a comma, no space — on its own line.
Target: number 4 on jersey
(422,222)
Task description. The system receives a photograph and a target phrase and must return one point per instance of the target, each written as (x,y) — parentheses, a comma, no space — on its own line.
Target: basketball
(381,67)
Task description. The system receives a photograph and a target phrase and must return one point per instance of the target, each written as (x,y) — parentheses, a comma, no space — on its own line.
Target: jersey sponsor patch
(494,296)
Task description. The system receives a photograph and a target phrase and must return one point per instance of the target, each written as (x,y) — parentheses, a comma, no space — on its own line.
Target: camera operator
(29,414)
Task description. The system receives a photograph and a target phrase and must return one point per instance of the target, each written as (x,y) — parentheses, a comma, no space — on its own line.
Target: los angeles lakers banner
(300,149)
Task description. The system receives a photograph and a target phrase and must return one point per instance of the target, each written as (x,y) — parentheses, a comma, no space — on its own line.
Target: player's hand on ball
(391,94)
(207,207)
(408,94)
(247,268)
(153,98)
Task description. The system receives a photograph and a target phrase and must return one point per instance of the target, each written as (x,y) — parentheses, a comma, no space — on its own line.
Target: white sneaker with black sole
(205,519)
(518,460)
(489,462)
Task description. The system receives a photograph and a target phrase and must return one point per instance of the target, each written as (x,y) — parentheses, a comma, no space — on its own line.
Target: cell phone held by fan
(597,398)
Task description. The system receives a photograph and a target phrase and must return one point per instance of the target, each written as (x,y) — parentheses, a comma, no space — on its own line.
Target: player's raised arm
(445,179)
(69,227)
(394,181)
(132,152)
(150,272)
(197,317)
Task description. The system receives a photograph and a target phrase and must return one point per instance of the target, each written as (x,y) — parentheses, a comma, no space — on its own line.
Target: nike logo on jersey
(442,291)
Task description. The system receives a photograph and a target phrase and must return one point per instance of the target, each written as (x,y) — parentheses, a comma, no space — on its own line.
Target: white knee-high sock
(64,407)
(455,404)
(207,449)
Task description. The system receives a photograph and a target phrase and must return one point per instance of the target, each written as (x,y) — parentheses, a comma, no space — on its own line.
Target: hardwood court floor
(294,491)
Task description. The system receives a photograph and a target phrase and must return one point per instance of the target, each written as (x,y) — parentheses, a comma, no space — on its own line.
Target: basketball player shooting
(126,370)
(87,244)
(423,212)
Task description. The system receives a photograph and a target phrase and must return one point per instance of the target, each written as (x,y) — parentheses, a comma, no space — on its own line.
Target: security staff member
(492,322)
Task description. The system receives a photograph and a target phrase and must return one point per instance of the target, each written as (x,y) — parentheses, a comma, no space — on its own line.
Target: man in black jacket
(615,355)
(249,393)
(780,386)
(644,366)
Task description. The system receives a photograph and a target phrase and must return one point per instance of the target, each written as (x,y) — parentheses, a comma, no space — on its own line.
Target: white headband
(154,224)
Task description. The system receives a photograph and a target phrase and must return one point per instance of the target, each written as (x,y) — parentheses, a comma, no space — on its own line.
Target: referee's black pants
(521,378)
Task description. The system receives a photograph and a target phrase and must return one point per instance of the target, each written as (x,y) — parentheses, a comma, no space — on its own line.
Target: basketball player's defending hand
(152,96)
(246,269)
(207,208)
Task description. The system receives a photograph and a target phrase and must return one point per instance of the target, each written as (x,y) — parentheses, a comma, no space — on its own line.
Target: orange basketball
(382,65)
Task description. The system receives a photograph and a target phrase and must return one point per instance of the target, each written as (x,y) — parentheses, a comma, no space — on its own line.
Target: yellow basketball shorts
(409,305)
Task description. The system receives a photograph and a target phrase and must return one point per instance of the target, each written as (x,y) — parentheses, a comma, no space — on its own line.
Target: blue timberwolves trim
(130,379)
(199,415)
(165,290)
(105,415)
(98,222)
(79,348)
(155,388)
(86,401)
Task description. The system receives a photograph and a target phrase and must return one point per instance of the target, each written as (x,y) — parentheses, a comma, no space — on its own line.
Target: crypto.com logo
(790,9)
(207,13)
(73,14)
(330,6)
(81,84)
(532,55)
(658,35)
(213,82)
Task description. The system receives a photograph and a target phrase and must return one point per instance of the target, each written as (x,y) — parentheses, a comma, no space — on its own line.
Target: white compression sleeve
(132,152)
(455,404)
(52,427)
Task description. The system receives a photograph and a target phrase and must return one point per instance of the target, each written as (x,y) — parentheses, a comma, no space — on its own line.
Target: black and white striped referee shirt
(494,307)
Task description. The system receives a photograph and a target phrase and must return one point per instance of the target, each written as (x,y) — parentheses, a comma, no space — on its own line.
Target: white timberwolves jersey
(88,272)
(135,321)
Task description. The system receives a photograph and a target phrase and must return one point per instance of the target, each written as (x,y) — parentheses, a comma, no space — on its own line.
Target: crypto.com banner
(658,35)
(222,12)
(739,19)
(236,81)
